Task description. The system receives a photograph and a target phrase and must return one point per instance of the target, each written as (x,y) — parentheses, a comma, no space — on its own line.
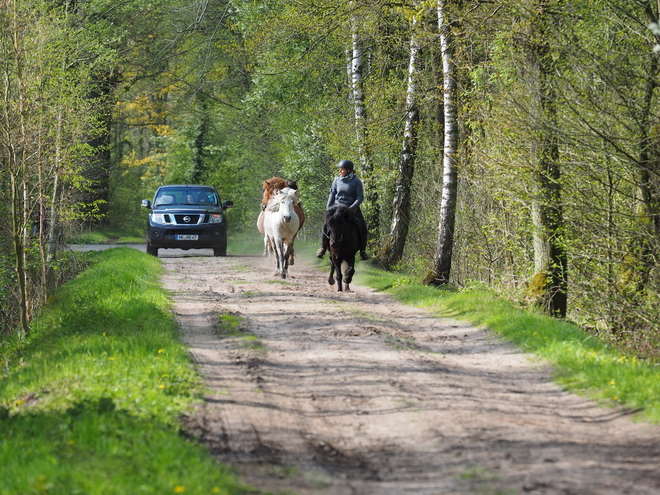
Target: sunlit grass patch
(581,362)
(231,325)
(109,236)
(91,402)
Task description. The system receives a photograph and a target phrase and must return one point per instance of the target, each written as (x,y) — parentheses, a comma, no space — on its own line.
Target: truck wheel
(152,250)
(221,250)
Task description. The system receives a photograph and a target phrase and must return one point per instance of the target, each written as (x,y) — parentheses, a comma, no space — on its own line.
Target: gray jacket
(347,192)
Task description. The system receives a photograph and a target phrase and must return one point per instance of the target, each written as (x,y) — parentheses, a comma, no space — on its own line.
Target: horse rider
(347,189)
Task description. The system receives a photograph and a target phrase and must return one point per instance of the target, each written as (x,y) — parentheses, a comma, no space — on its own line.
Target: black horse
(343,244)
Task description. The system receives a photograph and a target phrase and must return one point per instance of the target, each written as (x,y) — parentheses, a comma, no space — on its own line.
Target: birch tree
(372,215)
(392,251)
(445,244)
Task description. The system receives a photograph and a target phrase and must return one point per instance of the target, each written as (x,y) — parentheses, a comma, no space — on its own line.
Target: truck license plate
(186,237)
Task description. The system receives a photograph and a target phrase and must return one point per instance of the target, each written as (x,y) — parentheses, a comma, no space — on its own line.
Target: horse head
(284,201)
(340,218)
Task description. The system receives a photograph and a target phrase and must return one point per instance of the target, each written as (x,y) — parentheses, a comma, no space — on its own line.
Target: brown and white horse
(270,188)
(281,224)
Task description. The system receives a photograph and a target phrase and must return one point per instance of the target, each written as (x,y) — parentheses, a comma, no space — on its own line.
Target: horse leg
(278,255)
(285,260)
(331,278)
(282,253)
(290,255)
(348,277)
(339,275)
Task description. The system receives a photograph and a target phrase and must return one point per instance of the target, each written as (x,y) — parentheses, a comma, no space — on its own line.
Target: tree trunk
(648,169)
(392,252)
(550,279)
(445,242)
(18,172)
(371,212)
(18,242)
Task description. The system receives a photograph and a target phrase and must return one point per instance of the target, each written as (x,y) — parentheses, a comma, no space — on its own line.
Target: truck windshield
(186,196)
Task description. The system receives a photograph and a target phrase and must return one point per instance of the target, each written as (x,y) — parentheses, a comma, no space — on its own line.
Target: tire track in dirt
(353,393)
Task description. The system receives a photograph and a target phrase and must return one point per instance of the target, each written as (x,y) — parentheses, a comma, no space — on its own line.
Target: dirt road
(353,393)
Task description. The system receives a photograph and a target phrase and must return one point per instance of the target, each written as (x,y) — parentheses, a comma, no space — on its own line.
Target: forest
(512,145)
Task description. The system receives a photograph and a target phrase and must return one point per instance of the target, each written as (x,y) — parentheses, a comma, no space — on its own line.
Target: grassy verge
(109,236)
(90,402)
(582,363)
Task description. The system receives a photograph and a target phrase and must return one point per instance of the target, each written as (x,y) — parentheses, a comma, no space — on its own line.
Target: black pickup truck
(187,217)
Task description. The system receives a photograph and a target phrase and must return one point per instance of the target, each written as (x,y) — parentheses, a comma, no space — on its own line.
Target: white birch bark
(371,213)
(445,242)
(393,250)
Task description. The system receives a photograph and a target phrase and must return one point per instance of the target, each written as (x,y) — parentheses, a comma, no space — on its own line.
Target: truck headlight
(215,218)
(158,218)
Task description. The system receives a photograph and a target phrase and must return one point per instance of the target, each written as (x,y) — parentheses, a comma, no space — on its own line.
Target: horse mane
(274,201)
(271,186)
(337,215)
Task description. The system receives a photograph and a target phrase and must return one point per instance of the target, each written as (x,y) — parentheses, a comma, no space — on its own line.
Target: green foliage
(260,89)
(90,403)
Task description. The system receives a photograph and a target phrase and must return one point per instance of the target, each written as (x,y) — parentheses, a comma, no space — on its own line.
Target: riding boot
(362,239)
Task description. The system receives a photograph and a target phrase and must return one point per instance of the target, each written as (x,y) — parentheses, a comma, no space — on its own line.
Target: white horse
(281,224)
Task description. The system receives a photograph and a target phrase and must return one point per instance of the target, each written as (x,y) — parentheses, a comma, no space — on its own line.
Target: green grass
(109,236)
(232,326)
(582,363)
(91,401)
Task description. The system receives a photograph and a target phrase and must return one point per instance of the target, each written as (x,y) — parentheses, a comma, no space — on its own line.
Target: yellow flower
(179,489)
(161,350)
(612,382)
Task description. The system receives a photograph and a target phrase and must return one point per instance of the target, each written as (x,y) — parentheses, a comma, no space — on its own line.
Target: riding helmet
(346,164)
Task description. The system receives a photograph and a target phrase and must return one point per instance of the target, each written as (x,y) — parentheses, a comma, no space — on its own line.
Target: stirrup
(364,256)
(320,253)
